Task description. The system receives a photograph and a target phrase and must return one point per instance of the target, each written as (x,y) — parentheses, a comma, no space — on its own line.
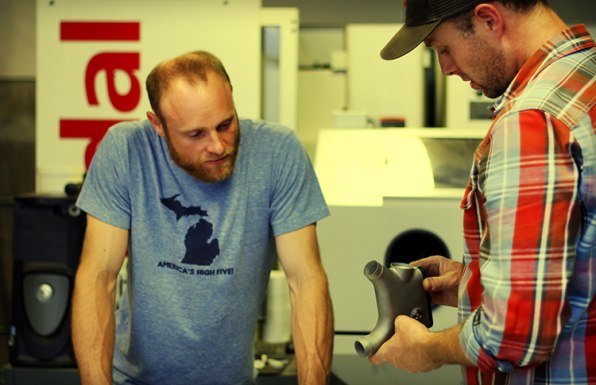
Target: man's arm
(93,300)
(312,315)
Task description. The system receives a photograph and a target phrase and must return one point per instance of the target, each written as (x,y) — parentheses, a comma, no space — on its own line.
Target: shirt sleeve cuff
(471,338)
(468,341)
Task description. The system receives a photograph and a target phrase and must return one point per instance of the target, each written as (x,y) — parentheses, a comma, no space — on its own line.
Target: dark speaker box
(48,238)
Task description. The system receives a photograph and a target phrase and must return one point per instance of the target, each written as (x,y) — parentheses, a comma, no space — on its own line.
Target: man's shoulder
(563,88)
(129,128)
(261,133)
(261,127)
(129,133)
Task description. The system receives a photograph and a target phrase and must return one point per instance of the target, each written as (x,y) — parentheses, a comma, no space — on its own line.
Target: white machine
(466,108)
(394,196)
(378,86)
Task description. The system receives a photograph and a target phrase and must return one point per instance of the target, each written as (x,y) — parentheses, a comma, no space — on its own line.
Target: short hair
(192,66)
(522,5)
(464,23)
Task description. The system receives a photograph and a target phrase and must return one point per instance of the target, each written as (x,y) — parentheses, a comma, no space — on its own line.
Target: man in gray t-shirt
(202,202)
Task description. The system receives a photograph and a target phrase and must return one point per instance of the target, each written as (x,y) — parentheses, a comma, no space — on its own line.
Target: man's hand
(442,279)
(408,348)
(415,348)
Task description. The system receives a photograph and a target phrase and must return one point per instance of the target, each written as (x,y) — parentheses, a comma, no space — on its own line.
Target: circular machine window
(415,244)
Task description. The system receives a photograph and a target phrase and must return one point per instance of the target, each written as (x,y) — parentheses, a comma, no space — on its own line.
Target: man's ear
(490,17)
(156,123)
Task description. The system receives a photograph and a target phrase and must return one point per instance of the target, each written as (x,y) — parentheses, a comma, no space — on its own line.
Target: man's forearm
(445,348)
(312,331)
(93,328)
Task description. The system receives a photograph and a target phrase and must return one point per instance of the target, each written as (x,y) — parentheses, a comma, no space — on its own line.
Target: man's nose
(447,66)
(216,145)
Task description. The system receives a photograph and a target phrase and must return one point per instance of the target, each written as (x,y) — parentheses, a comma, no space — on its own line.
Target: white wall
(321,89)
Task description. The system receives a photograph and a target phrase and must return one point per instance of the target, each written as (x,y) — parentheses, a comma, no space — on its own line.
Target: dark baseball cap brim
(406,39)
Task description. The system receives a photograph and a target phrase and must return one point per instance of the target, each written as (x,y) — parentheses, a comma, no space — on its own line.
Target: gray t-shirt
(199,254)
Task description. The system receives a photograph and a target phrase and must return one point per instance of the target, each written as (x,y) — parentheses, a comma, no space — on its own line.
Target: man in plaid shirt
(525,289)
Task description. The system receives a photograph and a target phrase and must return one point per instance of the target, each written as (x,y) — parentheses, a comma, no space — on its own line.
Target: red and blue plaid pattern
(527,294)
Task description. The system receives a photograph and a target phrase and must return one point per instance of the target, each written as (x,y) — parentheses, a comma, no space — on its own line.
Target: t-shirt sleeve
(105,194)
(297,200)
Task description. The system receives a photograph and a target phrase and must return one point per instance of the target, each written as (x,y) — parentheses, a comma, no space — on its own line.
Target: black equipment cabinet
(48,238)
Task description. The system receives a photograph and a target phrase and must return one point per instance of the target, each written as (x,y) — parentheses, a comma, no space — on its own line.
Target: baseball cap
(422,17)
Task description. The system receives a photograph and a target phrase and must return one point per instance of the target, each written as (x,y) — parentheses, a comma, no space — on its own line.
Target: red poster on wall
(93,57)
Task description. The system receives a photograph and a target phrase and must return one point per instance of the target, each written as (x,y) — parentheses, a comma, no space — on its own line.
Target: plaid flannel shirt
(527,293)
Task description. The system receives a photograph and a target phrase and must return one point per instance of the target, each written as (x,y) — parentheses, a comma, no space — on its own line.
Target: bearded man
(201,202)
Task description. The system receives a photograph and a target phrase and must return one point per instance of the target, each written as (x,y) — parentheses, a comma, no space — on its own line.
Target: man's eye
(196,134)
(224,126)
(444,51)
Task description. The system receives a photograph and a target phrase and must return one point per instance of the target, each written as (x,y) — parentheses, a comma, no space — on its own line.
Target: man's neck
(527,32)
